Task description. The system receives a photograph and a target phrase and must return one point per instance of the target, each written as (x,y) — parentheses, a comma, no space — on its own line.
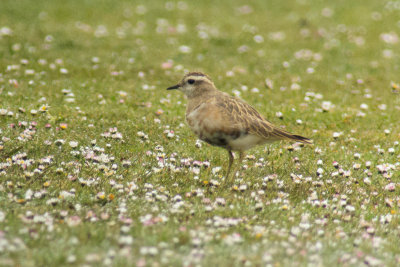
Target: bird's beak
(174,87)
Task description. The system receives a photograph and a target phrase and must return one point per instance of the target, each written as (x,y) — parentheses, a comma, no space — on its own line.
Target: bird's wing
(247,118)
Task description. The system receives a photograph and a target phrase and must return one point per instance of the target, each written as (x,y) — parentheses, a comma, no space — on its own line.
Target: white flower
(390,38)
(367,180)
(125,240)
(66,194)
(59,142)
(258,39)
(2,216)
(73,144)
(5,31)
(337,134)
(44,108)
(63,71)
(277,36)
(390,187)
(279,115)
(382,106)
(327,105)
(215,170)
(295,86)
(29,72)
(185,49)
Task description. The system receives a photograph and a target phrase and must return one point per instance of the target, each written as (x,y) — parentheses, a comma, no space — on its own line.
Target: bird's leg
(241,157)
(230,164)
(270,161)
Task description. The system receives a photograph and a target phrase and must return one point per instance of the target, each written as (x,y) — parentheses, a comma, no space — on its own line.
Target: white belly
(245,142)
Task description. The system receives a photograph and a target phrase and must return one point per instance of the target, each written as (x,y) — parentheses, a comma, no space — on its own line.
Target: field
(98,167)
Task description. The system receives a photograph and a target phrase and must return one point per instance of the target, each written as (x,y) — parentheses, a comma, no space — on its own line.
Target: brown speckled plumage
(225,121)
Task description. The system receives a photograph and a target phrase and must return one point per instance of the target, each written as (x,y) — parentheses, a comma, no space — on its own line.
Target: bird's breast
(213,129)
(196,122)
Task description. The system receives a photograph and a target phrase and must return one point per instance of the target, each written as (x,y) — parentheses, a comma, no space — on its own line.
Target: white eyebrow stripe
(198,78)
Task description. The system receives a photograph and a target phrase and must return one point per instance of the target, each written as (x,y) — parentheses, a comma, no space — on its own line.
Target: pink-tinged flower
(73,221)
(104,216)
(390,187)
(167,65)
(159,112)
(385,167)
(125,220)
(141,262)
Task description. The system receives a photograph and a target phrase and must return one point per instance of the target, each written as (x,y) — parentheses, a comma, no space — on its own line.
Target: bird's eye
(191,81)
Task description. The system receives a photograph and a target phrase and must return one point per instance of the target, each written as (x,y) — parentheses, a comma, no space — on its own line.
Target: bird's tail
(301,139)
(286,135)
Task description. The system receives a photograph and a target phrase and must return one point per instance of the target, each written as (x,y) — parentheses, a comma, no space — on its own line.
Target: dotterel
(225,121)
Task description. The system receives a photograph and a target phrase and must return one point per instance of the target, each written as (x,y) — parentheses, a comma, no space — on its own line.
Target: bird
(225,121)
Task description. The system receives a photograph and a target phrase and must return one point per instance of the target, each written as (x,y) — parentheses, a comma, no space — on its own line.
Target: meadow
(98,167)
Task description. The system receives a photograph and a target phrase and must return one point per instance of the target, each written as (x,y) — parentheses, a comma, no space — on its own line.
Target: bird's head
(194,84)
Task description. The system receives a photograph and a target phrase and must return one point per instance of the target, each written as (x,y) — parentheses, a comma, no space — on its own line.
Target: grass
(75,192)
